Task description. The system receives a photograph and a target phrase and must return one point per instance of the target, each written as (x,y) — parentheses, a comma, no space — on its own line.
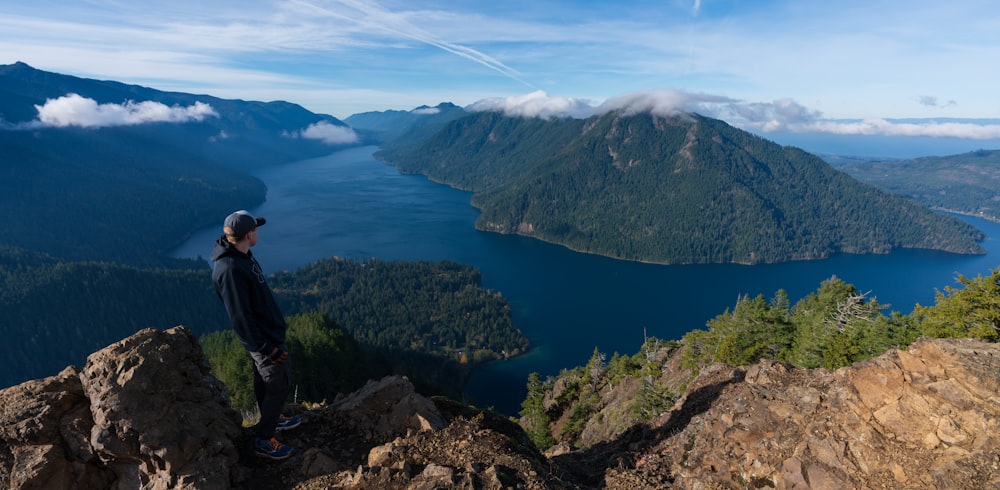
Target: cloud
(927,100)
(883,127)
(75,110)
(330,134)
(664,102)
(373,17)
(426,111)
(534,104)
(782,115)
(931,101)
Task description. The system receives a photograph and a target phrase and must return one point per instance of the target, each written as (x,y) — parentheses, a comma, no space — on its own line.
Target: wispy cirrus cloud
(347,56)
(372,16)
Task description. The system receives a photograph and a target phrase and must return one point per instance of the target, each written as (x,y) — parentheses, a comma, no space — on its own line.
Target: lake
(350,205)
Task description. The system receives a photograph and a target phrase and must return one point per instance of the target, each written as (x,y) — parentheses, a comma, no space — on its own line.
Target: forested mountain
(679,189)
(968,183)
(401,127)
(126,190)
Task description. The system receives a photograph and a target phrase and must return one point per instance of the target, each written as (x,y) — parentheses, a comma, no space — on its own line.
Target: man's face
(252,237)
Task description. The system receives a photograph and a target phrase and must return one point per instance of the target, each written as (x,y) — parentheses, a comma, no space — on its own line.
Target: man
(258,323)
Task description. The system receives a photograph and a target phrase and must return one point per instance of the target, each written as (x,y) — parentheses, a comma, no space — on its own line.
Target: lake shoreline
(565,303)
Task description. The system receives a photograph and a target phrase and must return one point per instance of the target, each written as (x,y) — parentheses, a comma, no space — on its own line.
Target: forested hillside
(129,193)
(680,189)
(966,184)
(433,321)
(110,195)
(56,313)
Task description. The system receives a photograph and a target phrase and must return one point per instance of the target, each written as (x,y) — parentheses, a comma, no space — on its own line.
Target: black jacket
(239,282)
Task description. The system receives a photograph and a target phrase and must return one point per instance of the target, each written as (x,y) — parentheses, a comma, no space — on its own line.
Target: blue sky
(849,67)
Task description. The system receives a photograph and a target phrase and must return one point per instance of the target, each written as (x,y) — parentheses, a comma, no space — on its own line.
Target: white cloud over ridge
(663,102)
(782,115)
(75,110)
(534,104)
(330,134)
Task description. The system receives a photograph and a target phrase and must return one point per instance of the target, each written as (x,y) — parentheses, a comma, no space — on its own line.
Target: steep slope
(484,150)
(681,189)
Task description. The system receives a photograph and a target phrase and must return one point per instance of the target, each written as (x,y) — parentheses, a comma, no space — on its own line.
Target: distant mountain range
(681,189)
(100,170)
(677,189)
(399,127)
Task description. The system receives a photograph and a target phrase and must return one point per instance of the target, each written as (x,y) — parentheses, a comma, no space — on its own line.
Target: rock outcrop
(143,413)
(924,417)
(146,413)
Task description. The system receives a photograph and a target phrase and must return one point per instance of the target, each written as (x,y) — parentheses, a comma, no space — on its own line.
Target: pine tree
(973,311)
(534,417)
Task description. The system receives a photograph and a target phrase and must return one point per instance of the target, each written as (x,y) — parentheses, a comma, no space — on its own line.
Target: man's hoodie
(239,282)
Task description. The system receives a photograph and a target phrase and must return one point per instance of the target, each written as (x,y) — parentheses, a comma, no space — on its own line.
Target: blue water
(349,205)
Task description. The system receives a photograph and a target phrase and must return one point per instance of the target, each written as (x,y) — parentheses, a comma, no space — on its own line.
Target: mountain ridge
(96,184)
(679,189)
(393,127)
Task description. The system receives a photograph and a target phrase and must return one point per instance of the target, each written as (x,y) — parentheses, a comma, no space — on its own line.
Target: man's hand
(277,356)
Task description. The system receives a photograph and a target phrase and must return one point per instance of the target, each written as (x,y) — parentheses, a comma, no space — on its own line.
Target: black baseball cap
(238,224)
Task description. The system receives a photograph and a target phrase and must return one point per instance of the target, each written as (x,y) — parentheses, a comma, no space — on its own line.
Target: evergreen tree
(535,418)
(972,311)
(326,361)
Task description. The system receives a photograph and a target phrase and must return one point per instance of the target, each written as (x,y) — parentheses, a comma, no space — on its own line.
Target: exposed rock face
(926,417)
(145,413)
(44,436)
(160,419)
(386,436)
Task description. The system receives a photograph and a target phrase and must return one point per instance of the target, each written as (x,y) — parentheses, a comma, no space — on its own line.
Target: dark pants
(271,384)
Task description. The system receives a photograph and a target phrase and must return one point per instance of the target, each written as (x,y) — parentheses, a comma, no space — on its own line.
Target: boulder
(160,419)
(45,429)
(143,413)
(389,408)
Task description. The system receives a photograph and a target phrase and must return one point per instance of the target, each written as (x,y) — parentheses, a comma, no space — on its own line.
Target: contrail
(374,16)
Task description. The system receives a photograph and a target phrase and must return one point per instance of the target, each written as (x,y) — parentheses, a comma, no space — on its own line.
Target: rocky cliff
(146,413)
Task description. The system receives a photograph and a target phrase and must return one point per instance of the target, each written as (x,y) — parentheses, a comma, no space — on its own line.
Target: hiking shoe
(285,422)
(271,448)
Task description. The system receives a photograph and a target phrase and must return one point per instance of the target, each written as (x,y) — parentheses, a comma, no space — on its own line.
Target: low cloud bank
(535,104)
(782,115)
(330,134)
(882,127)
(75,110)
